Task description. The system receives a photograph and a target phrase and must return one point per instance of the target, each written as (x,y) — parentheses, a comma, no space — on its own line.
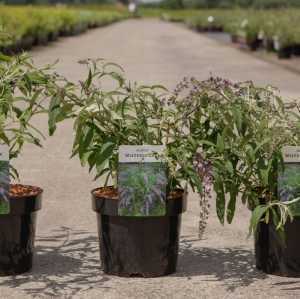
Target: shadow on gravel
(65,263)
(234,267)
(293,285)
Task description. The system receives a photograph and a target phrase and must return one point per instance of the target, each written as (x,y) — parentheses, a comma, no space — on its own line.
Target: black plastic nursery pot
(285,53)
(17,230)
(254,44)
(247,43)
(268,44)
(296,50)
(273,256)
(234,38)
(138,246)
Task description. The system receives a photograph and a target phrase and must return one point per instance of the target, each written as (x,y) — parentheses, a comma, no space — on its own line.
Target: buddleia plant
(24,90)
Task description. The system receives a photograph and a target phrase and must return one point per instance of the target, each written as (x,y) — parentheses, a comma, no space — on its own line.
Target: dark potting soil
(112,193)
(21,191)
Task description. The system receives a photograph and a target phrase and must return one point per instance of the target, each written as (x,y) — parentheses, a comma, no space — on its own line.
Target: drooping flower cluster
(203,168)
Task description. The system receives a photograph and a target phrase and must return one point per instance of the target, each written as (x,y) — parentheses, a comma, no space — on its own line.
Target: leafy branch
(23,93)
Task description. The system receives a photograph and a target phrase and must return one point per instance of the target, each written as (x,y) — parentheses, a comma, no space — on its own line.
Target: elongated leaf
(257,216)
(105,153)
(232,203)
(220,143)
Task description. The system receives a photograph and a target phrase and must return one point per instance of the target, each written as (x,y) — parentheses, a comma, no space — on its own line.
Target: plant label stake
(142,181)
(289,178)
(4,180)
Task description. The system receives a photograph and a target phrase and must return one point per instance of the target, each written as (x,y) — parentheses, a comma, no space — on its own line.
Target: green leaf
(159,87)
(88,138)
(237,118)
(196,181)
(220,199)
(105,153)
(256,217)
(232,204)
(264,174)
(260,145)
(250,154)
(220,143)
(5,58)
(221,206)
(229,167)
(53,114)
(88,82)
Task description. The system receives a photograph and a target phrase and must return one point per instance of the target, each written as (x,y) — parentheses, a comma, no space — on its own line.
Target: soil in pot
(275,256)
(17,230)
(138,246)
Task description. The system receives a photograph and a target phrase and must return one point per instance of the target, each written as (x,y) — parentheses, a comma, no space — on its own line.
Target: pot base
(16,243)
(139,247)
(17,230)
(275,257)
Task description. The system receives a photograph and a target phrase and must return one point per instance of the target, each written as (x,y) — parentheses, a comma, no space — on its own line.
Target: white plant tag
(291,154)
(141,153)
(4,180)
(142,181)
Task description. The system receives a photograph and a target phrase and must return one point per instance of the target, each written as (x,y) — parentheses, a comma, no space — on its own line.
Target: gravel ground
(67,257)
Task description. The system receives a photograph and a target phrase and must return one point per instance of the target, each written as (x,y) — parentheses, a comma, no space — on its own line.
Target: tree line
(259,4)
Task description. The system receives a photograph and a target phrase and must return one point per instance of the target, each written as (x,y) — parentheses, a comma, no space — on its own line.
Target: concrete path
(67,260)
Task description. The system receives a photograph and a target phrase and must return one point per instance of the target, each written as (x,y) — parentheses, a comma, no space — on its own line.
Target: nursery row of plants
(218,136)
(273,30)
(22,27)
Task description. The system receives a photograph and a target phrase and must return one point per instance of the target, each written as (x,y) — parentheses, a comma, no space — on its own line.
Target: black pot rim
(21,205)
(40,192)
(107,206)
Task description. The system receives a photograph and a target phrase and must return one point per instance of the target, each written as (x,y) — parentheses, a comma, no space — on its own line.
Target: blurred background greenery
(257,24)
(260,4)
(177,4)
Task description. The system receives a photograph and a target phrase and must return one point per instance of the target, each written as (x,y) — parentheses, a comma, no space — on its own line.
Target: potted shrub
(129,114)
(248,127)
(248,33)
(23,90)
(284,40)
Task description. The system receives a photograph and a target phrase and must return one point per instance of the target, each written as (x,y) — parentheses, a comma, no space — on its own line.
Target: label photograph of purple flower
(142,189)
(4,188)
(289,182)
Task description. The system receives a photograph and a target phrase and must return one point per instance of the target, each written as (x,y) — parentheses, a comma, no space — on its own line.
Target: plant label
(142,181)
(291,154)
(4,180)
(289,178)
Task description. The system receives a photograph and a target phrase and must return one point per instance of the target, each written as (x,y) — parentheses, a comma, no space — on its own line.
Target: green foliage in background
(205,4)
(275,29)
(24,26)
